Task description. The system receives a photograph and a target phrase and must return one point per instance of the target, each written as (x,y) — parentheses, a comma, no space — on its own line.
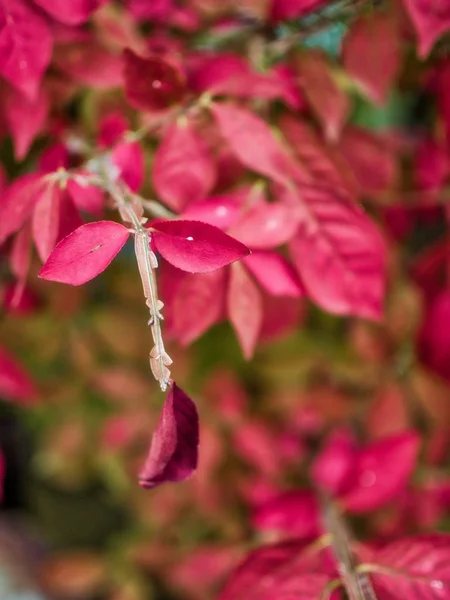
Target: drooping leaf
(16,205)
(274,273)
(25,118)
(129,158)
(74,12)
(413,568)
(431,18)
(152,83)
(196,247)
(244,307)
(381,471)
(25,45)
(371,54)
(85,253)
(15,383)
(183,170)
(46,217)
(294,514)
(87,198)
(198,303)
(339,255)
(327,100)
(173,452)
(254,143)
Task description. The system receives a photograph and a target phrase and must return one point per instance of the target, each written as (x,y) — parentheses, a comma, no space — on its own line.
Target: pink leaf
(85,253)
(88,198)
(339,255)
(244,309)
(431,165)
(112,128)
(371,54)
(293,514)
(370,158)
(46,215)
(129,158)
(21,254)
(254,143)
(220,211)
(16,205)
(431,18)
(183,170)
(284,10)
(25,118)
(198,304)
(15,383)
(74,12)
(173,453)
(275,274)
(381,472)
(266,225)
(152,83)
(285,571)
(413,568)
(196,247)
(333,468)
(25,45)
(327,100)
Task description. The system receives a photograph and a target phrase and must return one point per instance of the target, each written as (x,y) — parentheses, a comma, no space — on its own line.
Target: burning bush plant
(268,180)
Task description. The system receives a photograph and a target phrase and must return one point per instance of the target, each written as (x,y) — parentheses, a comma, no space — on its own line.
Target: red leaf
(173,453)
(285,571)
(275,274)
(21,254)
(183,170)
(46,215)
(90,65)
(293,514)
(434,335)
(381,472)
(25,46)
(15,383)
(371,54)
(266,225)
(129,158)
(196,247)
(111,129)
(85,253)
(282,315)
(431,165)
(231,75)
(16,205)
(254,143)
(431,18)
(413,568)
(198,304)
(326,99)
(284,10)
(25,118)
(152,83)
(339,255)
(244,309)
(74,12)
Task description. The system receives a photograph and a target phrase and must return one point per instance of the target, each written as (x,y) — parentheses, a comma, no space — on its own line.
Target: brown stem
(357,585)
